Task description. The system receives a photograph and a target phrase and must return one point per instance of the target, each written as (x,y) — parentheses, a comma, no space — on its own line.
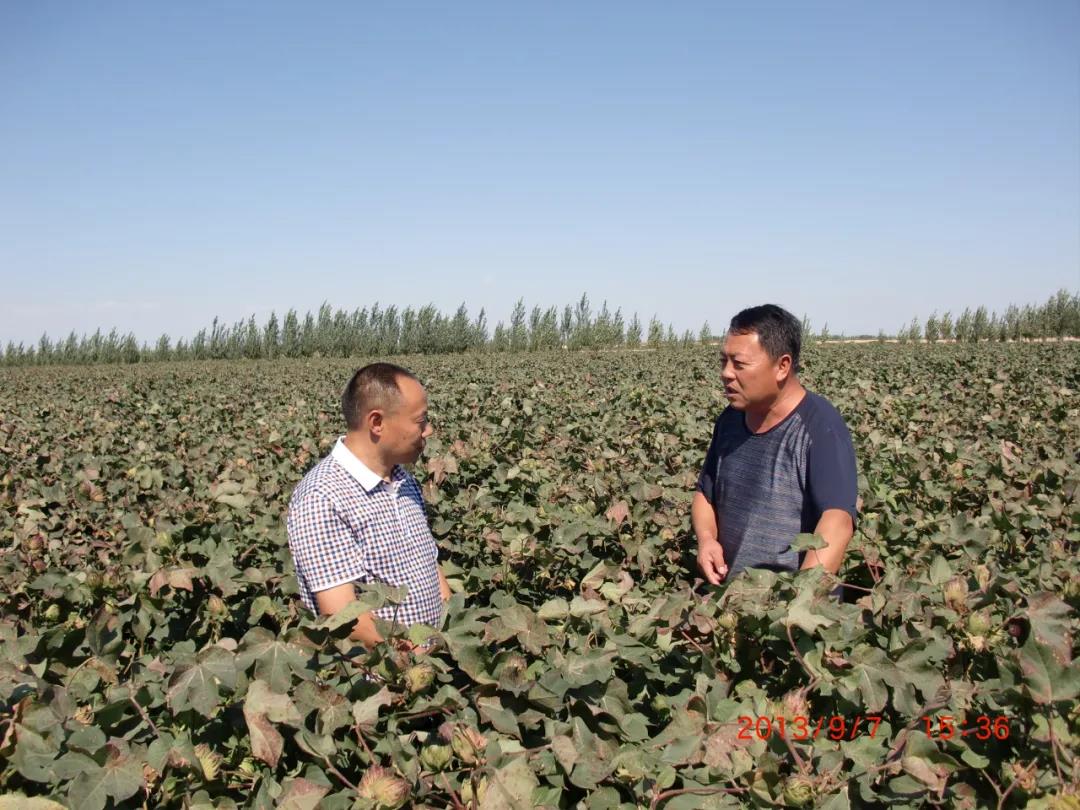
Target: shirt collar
(368,478)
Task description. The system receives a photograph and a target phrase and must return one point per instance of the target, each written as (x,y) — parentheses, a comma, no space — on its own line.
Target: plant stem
(697,646)
(142,711)
(340,776)
(1053,747)
(458,805)
(363,743)
(795,649)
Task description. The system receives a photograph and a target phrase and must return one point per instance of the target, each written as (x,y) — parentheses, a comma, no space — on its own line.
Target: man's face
(751,378)
(405,424)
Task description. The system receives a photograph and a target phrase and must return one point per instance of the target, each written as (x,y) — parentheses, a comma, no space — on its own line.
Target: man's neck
(369,454)
(778,410)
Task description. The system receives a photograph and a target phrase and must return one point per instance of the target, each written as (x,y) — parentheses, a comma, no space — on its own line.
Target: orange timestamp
(984,727)
(837,727)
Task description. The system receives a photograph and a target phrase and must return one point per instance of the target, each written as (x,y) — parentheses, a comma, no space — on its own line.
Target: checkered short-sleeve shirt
(346,524)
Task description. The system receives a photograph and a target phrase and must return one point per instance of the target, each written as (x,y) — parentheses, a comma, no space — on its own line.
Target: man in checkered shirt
(358,515)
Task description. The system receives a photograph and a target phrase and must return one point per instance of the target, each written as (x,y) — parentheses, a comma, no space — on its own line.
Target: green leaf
(74,763)
(276,661)
(118,779)
(593,666)
(519,623)
(421,634)
(473,661)
(586,607)
(1047,679)
(803,612)
(492,711)
(198,686)
(333,709)
(510,787)
(931,776)
(808,541)
(682,739)
(260,606)
(554,609)
(1050,624)
(366,712)
(235,501)
(940,571)
(263,708)
(565,751)
(277,708)
(546,797)
(316,745)
(88,739)
(919,665)
(301,794)
(866,751)
(643,491)
(595,757)
(266,742)
(34,756)
(870,671)
(974,759)
(345,618)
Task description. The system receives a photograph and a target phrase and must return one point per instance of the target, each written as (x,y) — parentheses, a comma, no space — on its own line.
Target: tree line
(1059,317)
(366,331)
(376,330)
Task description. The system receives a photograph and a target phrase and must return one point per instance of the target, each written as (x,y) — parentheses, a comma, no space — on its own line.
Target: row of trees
(366,332)
(388,331)
(1059,317)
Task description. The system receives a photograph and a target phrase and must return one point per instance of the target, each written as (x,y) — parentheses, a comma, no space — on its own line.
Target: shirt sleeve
(325,550)
(832,478)
(706,484)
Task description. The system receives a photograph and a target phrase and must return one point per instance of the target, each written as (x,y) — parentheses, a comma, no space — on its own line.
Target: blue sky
(858,162)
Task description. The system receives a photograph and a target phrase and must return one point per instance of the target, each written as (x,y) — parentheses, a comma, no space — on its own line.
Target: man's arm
(710,556)
(836,528)
(832,485)
(444,586)
(334,599)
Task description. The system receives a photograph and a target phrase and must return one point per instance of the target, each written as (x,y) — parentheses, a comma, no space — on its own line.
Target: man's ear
(783,368)
(374,421)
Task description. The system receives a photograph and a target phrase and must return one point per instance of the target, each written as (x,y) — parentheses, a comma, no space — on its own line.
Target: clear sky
(859,162)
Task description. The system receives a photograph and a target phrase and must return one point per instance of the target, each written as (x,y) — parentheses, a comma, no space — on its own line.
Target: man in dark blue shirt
(781,460)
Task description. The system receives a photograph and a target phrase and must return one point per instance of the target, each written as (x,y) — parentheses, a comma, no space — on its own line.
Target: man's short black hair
(778,331)
(373,386)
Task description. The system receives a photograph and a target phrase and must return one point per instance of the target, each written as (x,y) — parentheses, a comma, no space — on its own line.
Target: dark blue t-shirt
(768,487)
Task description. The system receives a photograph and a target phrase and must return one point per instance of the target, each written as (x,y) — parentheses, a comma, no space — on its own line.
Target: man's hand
(710,559)
(444,586)
(710,556)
